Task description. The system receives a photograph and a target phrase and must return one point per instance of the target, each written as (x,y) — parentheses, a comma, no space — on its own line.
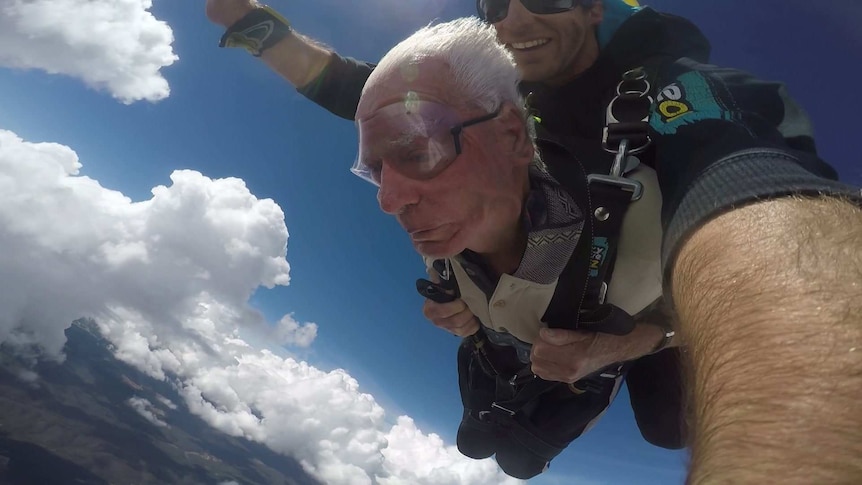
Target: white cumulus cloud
(115,45)
(72,248)
(290,332)
(166,402)
(146,409)
(168,281)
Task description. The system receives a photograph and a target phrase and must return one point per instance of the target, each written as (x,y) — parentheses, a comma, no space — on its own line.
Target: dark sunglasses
(493,11)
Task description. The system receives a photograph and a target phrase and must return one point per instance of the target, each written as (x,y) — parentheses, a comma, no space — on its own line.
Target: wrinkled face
(551,48)
(477,196)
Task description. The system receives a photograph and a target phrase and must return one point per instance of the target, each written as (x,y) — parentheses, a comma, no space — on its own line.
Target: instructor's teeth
(527,45)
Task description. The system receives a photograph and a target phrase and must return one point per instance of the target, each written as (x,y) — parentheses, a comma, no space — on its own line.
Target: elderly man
(444,135)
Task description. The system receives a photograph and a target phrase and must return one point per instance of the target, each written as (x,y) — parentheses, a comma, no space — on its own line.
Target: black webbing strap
(506,413)
(578,300)
(508,410)
(609,205)
(511,397)
(582,286)
(565,304)
(626,132)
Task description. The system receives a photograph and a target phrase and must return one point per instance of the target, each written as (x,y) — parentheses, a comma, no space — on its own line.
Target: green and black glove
(259,30)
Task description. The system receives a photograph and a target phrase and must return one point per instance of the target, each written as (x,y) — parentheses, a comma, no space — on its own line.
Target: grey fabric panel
(796,122)
(754,175)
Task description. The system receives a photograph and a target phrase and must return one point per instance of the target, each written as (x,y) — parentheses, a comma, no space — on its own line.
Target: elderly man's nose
(396,191)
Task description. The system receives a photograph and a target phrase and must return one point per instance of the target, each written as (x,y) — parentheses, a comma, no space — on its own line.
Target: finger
(547,373)
(454,317)
(551,352)
(551,371)
(548,356)
(469,328)
(557,363)
(433,275)
(560,337)
(433,310)
(458,323)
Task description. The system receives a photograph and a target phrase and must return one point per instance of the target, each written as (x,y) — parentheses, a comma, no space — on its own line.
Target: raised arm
(316,71)
(297,58)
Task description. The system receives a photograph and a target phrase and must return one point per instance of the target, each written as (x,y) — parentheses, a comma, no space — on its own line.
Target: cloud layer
(74,248)
(168,281)
(113,45)
(149,412)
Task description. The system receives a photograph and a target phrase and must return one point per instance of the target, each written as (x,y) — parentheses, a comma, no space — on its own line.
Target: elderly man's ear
(516,136)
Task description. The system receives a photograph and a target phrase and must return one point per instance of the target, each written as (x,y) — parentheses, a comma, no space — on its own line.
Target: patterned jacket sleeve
(724,139)
(339,86)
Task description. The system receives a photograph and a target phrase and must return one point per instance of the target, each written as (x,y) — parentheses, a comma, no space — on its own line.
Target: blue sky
(351,268)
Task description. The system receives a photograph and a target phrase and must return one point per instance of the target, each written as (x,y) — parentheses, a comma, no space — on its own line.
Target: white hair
(483,71)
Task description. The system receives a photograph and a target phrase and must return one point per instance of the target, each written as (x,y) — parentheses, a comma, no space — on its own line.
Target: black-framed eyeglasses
(493,11)
(418,139)
(457,129)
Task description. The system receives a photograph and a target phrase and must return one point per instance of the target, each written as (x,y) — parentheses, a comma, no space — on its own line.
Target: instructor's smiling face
(551,48)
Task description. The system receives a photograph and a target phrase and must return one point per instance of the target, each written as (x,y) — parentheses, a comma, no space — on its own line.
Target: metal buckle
(633,186)
(611,119)
(612,373)
(634,82)
(603,293)
(636,75)
(514,381)
(443,268)
(501,408)
(616,176)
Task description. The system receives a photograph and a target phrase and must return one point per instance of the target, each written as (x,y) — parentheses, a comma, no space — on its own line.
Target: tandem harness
(509,412)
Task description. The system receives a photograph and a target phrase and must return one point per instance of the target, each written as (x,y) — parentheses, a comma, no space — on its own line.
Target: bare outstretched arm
(769,298)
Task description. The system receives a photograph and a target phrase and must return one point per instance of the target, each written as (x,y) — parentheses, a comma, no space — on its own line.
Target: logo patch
(598,252)
(687,100)
(671,103)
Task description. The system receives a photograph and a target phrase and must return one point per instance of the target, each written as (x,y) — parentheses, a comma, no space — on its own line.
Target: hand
(227,12)
(570,355)
(453,317)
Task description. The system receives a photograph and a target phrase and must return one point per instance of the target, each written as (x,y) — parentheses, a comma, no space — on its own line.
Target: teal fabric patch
(597,255)
(616,12)
(687,100)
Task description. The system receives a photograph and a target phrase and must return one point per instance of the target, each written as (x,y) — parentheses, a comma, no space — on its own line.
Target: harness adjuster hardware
(615,178)
(633,186)
(626,132)
(501,408)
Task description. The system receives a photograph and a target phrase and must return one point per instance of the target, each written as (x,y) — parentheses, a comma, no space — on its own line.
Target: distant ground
(83,422)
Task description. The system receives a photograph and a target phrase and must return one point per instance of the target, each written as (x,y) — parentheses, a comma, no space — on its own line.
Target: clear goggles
(417,139)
